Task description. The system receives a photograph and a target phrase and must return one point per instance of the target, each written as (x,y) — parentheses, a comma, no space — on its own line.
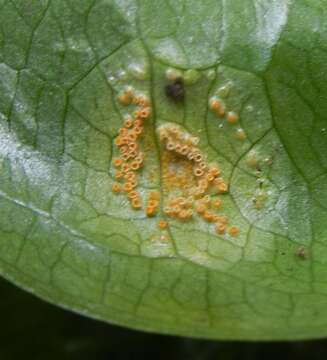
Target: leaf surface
(67,238)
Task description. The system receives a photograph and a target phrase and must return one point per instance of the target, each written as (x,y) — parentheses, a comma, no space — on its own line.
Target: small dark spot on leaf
(301,253)
(175,90)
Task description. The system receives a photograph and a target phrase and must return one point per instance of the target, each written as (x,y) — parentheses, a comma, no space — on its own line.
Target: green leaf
(67,238)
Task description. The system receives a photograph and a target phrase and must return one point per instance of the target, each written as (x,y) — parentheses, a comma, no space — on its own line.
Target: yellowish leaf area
(190,186)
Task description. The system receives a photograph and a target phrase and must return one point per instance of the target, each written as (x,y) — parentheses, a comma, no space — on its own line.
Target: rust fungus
(220,229)
(233,230)
(240,134)
(190,184)
(127,141)
(116,188)
(162,224)
(232,117)
(191,187)
(117,162)
(136,203)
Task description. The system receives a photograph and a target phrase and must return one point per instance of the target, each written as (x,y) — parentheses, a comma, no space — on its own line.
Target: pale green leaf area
(65,237)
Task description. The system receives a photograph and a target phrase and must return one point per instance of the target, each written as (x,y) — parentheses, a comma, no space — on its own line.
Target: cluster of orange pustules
(196,199)
(152,203)
(218,107)
(130,158)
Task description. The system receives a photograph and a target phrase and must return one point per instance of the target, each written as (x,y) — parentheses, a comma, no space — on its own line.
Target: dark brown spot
(175,90)
(258,168)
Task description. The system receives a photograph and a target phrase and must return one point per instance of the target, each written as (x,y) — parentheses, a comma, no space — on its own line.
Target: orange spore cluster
(152,203)
(116,188)
(217,106)
(233,230)
(162,224)
(192,186)
(130,158)
(197,184)
(232,117)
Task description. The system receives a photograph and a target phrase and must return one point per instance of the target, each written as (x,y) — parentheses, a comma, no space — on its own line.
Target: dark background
(33,329)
